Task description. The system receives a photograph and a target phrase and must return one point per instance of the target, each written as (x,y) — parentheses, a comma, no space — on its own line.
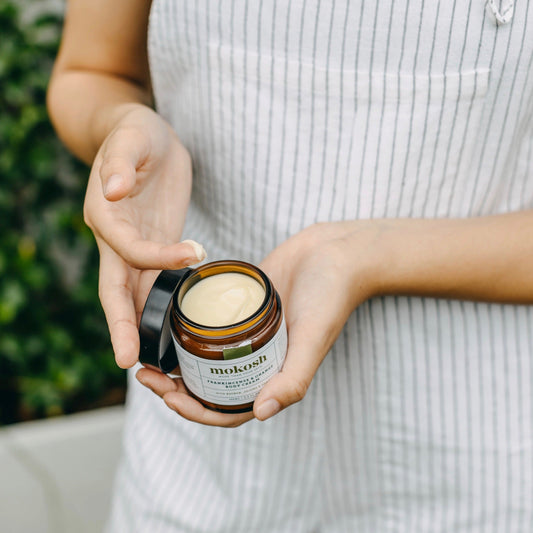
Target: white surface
(57,475)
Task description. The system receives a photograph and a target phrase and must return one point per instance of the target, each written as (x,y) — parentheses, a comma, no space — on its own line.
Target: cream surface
(223,299)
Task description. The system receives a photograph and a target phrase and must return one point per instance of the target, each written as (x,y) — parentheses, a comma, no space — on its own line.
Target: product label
(233,381)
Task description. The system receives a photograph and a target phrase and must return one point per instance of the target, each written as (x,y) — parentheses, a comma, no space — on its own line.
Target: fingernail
(198,249)
(112,184)
(268,409)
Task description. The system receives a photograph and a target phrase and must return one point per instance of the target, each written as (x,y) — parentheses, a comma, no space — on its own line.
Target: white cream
(197,248)
(223,299)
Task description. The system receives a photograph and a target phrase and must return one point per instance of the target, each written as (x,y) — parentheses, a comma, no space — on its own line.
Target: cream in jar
(222,299)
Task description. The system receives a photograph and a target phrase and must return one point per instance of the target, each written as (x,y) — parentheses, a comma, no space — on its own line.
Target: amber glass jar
(225,367)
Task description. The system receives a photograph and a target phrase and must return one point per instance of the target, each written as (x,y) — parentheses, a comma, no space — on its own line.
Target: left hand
(322,274)
(320,284)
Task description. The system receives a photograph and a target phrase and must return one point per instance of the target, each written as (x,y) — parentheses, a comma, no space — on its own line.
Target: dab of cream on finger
(199,250)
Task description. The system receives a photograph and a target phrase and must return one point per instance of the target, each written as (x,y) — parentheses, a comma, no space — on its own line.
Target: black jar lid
(156,346)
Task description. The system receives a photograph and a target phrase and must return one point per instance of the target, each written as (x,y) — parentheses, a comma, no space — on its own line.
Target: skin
(138,193)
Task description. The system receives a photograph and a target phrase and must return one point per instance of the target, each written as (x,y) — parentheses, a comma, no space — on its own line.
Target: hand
(136,201)
(322,274)
(320,283)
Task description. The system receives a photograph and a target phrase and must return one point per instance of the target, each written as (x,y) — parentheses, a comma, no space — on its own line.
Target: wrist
(357,252)
(370,258)
(109,118)
(397,254)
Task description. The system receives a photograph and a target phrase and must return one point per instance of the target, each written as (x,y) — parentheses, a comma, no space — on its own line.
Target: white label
(235,381)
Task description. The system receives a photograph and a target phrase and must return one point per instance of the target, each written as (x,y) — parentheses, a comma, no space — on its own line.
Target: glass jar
(225,367)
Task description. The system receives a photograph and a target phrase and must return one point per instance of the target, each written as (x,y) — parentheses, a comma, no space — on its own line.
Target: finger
(156,381)
(176,396)
(191,409)
(308,345)
(125,151)
(150,255)
(117,298)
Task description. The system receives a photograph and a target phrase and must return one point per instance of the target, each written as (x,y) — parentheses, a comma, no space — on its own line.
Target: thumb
(308,345)
(125,151)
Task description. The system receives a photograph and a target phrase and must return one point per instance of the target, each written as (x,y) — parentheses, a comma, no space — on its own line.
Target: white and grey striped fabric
(421,418)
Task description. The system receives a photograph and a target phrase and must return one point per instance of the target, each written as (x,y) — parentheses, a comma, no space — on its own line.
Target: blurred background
(55,354)
(61,393)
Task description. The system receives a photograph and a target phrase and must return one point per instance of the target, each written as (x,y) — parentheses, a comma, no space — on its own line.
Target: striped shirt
(421,417)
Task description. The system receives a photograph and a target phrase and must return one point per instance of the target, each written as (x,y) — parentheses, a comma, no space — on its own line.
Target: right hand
(136,201)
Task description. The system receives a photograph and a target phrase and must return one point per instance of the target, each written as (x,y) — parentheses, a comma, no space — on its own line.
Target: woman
(375,159)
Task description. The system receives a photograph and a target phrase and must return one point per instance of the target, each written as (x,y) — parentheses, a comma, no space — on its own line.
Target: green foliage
(55,354)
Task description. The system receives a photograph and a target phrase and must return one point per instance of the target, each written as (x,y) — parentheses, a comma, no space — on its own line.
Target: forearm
(485,259)
(100,72)
(84,107)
